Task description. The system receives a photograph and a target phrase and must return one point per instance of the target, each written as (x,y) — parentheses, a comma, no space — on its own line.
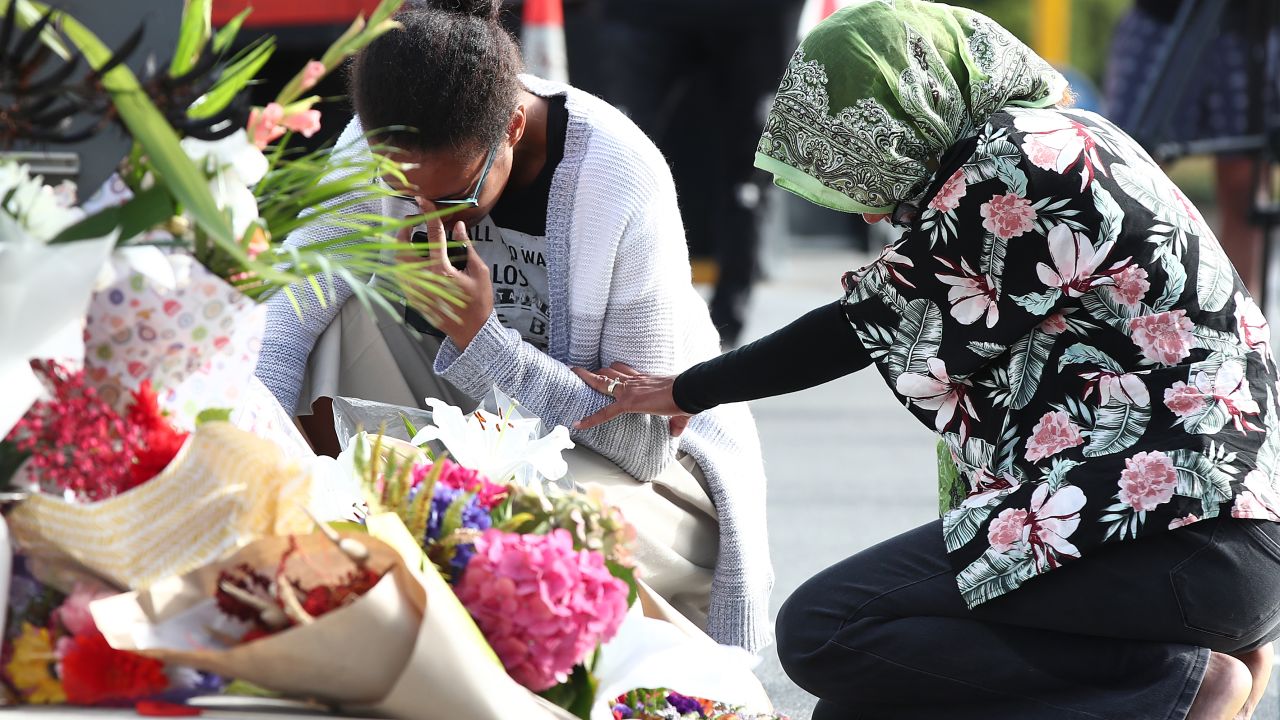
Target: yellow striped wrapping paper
(226,488)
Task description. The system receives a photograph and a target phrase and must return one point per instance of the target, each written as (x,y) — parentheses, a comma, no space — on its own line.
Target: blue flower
(474,517)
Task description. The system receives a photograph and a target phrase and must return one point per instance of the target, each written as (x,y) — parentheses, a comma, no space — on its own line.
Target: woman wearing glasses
(576,258)
(1062,316)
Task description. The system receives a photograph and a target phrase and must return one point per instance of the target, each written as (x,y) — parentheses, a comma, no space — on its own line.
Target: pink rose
(1054,433)
(1183,399)
(1008,216)
(307,122)
(1148,480)
(264,125)
(1130,286)
(1055,324)
(312,73)
(1005,531)
(1163,337)
(1176,523)
(948,198)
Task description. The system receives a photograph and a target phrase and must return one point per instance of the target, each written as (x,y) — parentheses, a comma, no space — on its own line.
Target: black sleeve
(819,347)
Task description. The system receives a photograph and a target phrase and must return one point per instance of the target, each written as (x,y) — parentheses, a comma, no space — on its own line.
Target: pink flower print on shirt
(1075,262)
(936,391)
(948,198)
(1163,337)
(1183,400)
(1005,532)
(971,295)
(1057,143)
(1053,519)
(1229,387)
(1176,523)
(1258,501)
(1055,324)
(1008,216)
(1125,387)
(1054,433)
(1130,286)
(1147,481)
(1252,325)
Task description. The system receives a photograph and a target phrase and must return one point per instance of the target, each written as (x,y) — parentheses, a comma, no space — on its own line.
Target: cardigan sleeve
(638,330)
(290,336)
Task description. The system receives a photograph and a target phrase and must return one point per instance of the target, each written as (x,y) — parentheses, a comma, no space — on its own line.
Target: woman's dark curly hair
(450,75)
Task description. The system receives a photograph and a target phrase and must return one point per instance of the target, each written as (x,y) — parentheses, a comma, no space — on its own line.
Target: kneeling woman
(577,258)
(1064,318)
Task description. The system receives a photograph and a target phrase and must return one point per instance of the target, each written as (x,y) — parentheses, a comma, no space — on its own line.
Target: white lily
(502,447)
(233,165)
(34,212)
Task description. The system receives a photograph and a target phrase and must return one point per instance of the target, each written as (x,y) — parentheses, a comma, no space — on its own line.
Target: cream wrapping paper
(225,488)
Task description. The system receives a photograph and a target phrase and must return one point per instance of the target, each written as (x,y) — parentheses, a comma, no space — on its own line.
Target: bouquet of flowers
(545,575)
(54,653)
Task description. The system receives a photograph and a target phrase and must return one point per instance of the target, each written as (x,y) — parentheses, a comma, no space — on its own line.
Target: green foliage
(576,694)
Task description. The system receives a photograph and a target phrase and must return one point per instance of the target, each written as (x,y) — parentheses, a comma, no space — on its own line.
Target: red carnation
(93,672)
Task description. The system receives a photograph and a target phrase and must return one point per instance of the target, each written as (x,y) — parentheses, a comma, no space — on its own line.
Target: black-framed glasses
(473,198)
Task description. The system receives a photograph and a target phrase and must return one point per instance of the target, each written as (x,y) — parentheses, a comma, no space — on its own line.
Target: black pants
(1123,634)
(696,76)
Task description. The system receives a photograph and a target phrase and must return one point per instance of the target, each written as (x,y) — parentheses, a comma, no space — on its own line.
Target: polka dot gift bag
(164,317)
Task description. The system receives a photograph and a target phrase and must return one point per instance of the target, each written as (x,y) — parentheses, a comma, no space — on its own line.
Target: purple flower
(684,705)
(474,517)
(622,711)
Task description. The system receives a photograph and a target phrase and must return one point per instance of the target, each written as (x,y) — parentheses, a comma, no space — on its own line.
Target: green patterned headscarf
(878,92)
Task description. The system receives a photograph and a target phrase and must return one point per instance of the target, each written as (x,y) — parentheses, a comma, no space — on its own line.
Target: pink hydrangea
(1054,433)
(1130,286)
(1183,400)
(1005,532)
(1163,337)
(948,198)
(542,605)
(1148,480)
(1008,216)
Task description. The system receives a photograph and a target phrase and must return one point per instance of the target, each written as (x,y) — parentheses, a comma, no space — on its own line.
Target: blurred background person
(696,76)
(1217,103)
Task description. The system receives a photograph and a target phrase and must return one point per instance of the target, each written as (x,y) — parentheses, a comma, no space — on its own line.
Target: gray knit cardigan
(619,281)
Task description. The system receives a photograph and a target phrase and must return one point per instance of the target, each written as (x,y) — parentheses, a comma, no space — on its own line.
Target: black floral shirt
(1064,318)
